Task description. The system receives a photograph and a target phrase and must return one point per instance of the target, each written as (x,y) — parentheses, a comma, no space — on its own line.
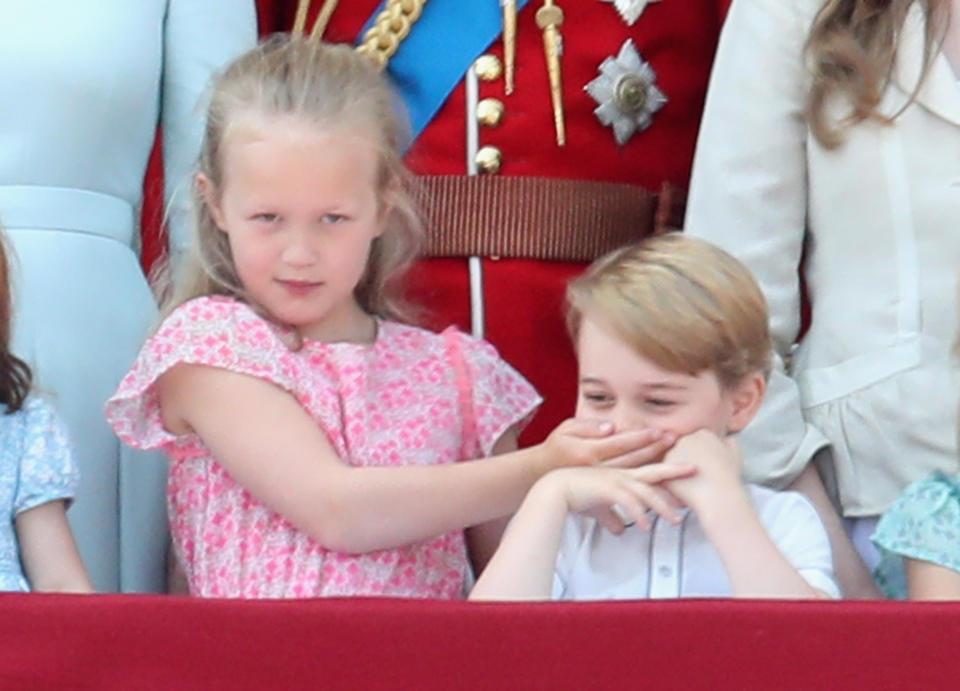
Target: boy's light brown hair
(680,302)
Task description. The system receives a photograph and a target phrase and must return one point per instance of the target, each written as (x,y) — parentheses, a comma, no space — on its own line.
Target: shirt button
(665,571)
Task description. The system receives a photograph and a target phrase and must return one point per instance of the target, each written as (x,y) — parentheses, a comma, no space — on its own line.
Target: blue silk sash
(444,42)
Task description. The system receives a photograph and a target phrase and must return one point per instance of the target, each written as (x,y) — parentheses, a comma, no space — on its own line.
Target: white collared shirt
(678,560)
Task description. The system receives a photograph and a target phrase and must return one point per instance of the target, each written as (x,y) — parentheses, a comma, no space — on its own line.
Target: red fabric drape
(162,642)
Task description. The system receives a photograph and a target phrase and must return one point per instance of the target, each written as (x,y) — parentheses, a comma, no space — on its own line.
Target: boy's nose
(625,419)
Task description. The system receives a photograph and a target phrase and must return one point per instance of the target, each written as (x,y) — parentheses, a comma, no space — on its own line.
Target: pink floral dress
(412,397)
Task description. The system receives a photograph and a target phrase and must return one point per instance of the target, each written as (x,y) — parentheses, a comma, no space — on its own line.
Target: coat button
(489,159)
(488,67)
(490,112)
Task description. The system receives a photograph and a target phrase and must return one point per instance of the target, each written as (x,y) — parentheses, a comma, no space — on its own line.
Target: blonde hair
(852,47)
(15,375)
(333,87)
(680,302)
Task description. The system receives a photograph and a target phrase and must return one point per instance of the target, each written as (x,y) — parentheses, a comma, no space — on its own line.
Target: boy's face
(620,386)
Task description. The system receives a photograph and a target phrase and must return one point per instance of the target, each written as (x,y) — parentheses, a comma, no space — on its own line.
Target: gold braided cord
(381,40)
(320,24)
(391,26)
(300,19)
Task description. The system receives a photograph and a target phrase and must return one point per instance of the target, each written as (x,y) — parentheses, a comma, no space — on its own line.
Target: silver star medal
(626,93)
(631,10)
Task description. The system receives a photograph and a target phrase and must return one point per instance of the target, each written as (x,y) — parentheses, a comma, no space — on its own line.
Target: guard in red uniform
(590,149)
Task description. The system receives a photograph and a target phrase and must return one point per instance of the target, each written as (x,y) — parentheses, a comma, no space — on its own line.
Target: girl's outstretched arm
(483,539)
(269,444)
(48,551)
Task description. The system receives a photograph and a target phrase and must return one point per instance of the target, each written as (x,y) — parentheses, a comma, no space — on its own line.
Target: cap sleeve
(795,527)
(500,397)
(47,470)
(213,331)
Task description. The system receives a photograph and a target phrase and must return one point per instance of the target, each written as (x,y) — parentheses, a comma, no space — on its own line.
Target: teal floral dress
(923,523)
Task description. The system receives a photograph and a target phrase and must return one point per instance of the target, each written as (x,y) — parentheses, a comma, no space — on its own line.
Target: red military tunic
(523,298)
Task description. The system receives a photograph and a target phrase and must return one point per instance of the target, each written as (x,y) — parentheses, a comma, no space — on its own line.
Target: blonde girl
(38,478)
(314,437)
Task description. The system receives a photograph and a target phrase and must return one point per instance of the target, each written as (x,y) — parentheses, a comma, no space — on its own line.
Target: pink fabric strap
(470,445)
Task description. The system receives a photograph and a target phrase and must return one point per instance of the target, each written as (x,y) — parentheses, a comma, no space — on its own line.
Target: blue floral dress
(923,523)
(36,467)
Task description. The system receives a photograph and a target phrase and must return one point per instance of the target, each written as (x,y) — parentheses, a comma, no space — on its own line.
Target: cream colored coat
(879,216)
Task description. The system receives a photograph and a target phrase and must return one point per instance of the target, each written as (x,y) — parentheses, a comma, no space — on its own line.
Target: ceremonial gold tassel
(549,18)
(300,19)
(323,19)
(509,41)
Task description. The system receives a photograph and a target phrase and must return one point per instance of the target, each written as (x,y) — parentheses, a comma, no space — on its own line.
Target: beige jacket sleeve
(749,195)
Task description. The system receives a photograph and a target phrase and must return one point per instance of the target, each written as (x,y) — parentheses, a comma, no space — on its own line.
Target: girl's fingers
(637,449)
(589,429)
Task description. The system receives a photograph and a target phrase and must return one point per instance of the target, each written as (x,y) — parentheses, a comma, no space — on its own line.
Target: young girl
(304,225)
(37,479)
(670,334)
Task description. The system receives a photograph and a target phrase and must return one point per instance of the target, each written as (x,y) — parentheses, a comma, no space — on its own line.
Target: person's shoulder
(34,412)
(218,317)
(36,419)
(787,15)
(210,308)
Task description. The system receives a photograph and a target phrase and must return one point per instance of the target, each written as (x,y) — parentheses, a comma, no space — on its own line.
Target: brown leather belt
(540,218)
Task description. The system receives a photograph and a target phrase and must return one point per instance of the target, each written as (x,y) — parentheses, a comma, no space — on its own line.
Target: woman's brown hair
(851,51)
(14,373)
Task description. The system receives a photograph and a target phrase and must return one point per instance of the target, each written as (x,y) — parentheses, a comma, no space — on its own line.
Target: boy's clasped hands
(699,471)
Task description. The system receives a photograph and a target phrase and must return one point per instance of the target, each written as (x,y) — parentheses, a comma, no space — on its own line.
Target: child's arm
(852,574)
(48,551)
(523,566)
(929,581)
(266,441)
(754,564)
(483,539)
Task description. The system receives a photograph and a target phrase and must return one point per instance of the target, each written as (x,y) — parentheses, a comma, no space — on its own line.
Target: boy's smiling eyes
(596,394)
(597,399)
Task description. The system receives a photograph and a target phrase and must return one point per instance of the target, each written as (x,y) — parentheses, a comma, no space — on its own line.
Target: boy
(671,334)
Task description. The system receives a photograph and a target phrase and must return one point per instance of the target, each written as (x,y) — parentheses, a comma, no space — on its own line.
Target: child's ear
(745,400)
(208,191)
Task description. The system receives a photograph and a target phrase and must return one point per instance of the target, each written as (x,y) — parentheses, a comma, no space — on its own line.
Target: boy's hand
(634,490)
(577,442)
(717,461)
